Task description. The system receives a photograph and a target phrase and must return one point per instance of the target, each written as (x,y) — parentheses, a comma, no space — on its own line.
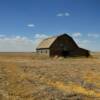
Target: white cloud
(60,14)
(20,44)
(76,34)
(40,36)
(94,35)
(67,14)
(30,25)
(63,14)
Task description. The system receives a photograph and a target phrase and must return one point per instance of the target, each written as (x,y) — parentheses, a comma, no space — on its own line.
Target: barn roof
(46,43)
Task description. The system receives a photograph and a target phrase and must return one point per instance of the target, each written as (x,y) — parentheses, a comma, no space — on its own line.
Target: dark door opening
(65,53)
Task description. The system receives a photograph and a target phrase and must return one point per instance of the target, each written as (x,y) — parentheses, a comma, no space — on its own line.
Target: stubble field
(27,76)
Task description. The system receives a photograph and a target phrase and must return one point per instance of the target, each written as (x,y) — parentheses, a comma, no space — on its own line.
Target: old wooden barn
(62,45)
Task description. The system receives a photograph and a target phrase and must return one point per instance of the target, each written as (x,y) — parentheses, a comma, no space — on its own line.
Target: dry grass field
(26,76)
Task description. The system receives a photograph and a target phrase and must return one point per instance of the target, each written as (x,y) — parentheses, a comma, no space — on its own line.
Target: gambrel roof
(46,43)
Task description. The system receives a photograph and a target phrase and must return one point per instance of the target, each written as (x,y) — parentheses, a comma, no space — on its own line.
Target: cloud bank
(25,44)
(19,43)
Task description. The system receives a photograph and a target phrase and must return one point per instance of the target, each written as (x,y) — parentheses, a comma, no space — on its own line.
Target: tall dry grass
(27,76)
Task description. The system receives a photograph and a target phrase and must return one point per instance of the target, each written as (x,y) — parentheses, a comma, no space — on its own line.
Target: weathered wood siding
(79,52)
(63,43)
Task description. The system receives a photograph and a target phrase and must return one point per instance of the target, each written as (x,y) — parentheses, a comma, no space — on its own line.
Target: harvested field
(26,76)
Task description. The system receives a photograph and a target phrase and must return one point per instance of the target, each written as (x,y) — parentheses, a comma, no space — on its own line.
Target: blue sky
(23,23)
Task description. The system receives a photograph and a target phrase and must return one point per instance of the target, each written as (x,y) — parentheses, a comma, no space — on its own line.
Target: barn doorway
(65,53)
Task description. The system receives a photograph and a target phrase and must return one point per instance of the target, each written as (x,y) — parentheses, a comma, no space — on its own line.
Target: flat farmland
(27,76)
